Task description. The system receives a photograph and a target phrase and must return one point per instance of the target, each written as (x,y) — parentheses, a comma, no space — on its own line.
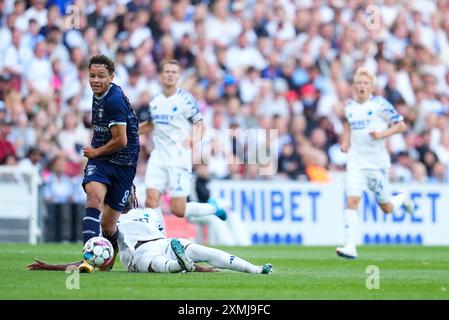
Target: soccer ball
(98,251)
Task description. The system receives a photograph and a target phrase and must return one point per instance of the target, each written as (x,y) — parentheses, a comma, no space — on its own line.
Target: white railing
(19,199)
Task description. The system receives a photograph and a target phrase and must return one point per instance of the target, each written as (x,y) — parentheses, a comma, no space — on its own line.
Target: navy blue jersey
(113,108)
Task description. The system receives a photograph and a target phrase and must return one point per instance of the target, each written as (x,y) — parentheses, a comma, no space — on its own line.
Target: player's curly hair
(102,59)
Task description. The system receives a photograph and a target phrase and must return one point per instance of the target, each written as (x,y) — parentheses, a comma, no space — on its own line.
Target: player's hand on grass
(39,265)
(90,153)
(42,265)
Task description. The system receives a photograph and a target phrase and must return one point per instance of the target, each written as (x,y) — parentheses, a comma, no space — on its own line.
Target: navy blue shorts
(119,180)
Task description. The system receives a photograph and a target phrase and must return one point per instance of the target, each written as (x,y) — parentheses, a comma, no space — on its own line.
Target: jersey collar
(104,94)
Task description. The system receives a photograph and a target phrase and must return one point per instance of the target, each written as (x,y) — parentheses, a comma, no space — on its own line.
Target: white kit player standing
(174,117)
(369,120)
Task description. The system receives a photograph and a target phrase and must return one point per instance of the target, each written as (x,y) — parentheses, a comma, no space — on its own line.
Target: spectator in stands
(57,193)
(290,163)
(6,147)
(439,173)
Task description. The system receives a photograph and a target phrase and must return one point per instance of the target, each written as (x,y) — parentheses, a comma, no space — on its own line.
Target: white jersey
(172,118)
(137,225)
(376,114)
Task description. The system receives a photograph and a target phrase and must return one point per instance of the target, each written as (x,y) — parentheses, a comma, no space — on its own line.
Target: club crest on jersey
(370,112)
(174,109)
(90,169)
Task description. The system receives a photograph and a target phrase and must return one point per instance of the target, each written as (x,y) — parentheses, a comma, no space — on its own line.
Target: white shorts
(144,254)
(377,181)
(177,181)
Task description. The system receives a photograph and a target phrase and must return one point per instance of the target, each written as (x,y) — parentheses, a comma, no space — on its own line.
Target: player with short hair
(113,154)
(369,120)
(176,125)
(144,247)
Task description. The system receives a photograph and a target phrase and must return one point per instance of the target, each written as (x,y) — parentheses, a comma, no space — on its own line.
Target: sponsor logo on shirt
(163,118)
(359,124)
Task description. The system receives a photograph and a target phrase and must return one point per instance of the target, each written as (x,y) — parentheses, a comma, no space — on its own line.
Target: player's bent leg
(110,232)
(397,201)
(151,262)
(96,193)
(164,264)
(221,259)
(178,206)
(197,210)
(153,198)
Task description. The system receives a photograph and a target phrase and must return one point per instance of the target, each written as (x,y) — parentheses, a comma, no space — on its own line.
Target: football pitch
(390,272)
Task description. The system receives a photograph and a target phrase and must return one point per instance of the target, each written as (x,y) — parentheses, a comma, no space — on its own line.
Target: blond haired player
(369,120)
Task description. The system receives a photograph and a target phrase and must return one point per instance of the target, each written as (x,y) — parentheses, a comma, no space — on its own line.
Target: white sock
(219,259)
(197,209)
(397,201)
(164,264)
(158,210)
(200,219)
(351,218)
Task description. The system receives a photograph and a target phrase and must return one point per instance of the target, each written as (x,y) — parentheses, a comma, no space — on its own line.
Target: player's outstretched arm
(396,128)
(42,265)
(346,137)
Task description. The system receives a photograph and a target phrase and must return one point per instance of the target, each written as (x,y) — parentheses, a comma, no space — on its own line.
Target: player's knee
(150,202)
(386,207)
(178,211)
(353,203)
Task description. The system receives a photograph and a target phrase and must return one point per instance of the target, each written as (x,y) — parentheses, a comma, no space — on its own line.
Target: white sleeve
(192,111)
(387,112)
(126,254)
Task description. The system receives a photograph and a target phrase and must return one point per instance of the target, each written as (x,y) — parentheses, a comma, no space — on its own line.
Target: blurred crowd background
(280,64)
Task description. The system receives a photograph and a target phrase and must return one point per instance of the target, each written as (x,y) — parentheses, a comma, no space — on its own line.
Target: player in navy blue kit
(113,155)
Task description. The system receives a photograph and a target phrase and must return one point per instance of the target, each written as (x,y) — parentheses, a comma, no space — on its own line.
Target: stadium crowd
(255,64)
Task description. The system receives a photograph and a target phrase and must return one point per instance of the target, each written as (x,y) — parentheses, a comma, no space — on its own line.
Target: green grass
(299,273)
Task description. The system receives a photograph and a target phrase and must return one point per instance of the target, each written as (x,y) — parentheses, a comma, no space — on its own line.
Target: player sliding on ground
(144,247)
(369,121)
